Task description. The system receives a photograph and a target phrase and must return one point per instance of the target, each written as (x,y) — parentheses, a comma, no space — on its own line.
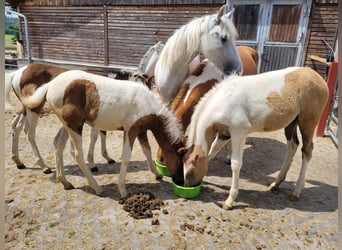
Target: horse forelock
(171,124)
(231,27)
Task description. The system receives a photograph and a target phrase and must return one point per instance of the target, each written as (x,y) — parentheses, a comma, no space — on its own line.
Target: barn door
(276,28)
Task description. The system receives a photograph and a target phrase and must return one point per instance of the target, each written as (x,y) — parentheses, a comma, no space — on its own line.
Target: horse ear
(229,15)
(182,151)
(184,139)
(220,14)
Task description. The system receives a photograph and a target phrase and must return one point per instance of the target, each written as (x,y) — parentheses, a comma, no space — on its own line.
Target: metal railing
(332,121)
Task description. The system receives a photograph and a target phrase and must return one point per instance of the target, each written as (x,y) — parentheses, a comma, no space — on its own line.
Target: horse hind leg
(307,130)
(31,124)
(17,126)
(103,135)
(79,156)
(291,148)
(90,156)
(59,142)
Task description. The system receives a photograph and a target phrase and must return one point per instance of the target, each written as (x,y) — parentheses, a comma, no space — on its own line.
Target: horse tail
(8,86)
(37,98)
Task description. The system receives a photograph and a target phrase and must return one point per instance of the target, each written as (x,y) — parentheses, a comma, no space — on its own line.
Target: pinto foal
(24,82)
(77,97)
(289,98)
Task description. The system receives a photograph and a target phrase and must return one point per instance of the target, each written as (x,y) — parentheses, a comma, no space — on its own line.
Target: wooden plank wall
(68,33)
(114,36)
(323,25)
(133,29)
(59,3)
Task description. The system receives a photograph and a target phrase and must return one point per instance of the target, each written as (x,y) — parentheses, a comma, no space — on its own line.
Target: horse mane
(171,124)
(184,42)
(194,118)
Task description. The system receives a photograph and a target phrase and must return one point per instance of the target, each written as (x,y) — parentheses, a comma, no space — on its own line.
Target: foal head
(218,42)
(168,132)
(195,165)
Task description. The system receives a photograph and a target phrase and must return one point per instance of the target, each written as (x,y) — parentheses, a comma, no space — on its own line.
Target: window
(246,20)
(283,28)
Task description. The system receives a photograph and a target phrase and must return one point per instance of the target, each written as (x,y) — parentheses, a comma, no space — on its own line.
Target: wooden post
(331,80)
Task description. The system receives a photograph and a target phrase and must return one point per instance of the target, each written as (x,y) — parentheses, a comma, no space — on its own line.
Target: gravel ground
(40,214)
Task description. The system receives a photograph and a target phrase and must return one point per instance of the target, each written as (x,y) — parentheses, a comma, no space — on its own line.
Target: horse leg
(17,126)
(291,148)
(90,156)
(238,141)
(307,130)
(79,156)
(31,124)
(104,152)
(217,145)
(59,143)
(228,156)
(146,148)
(125,157)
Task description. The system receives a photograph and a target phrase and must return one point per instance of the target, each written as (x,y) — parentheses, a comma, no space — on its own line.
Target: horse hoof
(123,194)
(111,161)
(293,197)
(69,187)
(274,188)
(99,192)
(94,169)
(22,166)
(227,161)
(227,207)
(47,171)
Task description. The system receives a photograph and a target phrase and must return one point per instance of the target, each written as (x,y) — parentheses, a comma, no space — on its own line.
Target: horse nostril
(189,174)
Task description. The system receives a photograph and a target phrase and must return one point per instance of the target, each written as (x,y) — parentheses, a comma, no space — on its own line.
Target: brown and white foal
(77,97)
(24,82)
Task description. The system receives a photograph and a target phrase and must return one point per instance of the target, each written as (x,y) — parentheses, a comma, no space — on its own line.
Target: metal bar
(26,33)
(333,136)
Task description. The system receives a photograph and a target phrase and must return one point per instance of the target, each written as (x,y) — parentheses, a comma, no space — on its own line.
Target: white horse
(78,97)
(236,107)
(211,35)
(148,61)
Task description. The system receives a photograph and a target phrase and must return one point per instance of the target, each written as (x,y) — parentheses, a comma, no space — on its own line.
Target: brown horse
(201,80)
(249,58)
